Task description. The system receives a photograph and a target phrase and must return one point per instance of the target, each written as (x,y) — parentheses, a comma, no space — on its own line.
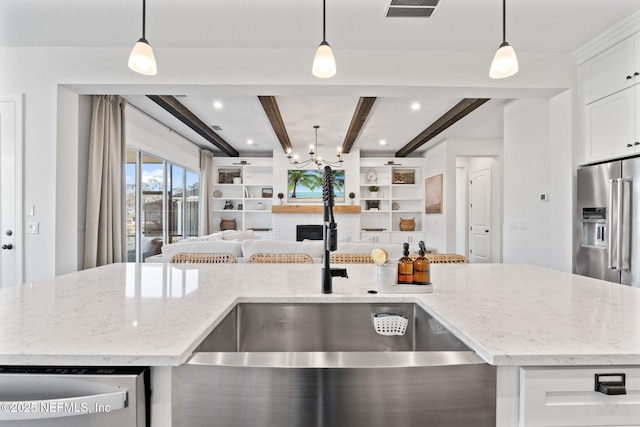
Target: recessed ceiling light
(383,142)
(217,105)
(415,106)
(250,141)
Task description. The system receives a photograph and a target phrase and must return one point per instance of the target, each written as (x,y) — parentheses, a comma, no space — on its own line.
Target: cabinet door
(566,397)
(610,126)
(411,237)
(611,71)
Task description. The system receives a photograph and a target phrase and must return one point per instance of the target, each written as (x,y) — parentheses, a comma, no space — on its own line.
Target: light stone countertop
(156,314)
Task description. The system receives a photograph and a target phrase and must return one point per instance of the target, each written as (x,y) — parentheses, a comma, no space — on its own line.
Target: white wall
(442,158)
(537,160)
(39,72)
(72,152)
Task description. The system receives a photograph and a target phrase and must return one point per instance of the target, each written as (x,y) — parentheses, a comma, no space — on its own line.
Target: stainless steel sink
(324,364)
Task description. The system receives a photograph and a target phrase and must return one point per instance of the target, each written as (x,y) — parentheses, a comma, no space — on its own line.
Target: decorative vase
(407,224)
(281,201)
(373,194)
(228,224)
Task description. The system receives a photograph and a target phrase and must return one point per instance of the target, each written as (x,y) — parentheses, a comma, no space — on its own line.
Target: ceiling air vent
(215,127)
(411,8)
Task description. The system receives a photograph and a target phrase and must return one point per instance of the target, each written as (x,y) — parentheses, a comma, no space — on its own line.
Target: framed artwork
(433,195)
(404,176)
(267,193)
(305,186)
(225,176)
(373,205)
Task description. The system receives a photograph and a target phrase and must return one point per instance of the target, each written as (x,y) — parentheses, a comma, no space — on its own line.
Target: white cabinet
(411,237)
(566,397)
(248,198)
(612,99)
(613,70)
(612,127)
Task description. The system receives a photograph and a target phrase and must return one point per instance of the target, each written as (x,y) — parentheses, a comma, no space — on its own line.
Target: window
(162,204)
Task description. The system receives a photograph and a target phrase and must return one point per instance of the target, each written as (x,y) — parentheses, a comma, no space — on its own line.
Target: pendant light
(142,59)
(505,61)
(324,64)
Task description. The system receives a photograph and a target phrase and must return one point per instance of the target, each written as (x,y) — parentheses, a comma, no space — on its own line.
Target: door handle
(486,231)
(609,223)
(611,384)
(7,247)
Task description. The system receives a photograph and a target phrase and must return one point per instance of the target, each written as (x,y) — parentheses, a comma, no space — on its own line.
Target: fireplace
(308,232)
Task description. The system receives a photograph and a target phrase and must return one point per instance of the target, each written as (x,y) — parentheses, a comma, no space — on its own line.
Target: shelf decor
(225,176)
(433,195)
(404,176)
(267,192)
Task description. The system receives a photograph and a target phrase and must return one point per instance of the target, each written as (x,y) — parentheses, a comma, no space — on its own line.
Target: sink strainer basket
(390,324)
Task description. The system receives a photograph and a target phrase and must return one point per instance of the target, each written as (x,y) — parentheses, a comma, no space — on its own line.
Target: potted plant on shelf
(373,191)
(352,196)
(280,197)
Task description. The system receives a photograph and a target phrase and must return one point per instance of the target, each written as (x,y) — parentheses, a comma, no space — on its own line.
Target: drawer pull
(611,384)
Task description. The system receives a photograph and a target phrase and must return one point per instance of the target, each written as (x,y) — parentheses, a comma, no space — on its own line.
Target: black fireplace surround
(308,232)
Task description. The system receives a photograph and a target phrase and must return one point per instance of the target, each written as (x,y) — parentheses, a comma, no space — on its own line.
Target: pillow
(238,235)
(212,237)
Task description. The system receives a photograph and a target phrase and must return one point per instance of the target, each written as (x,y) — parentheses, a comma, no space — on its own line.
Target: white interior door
(11,190)
(480,215)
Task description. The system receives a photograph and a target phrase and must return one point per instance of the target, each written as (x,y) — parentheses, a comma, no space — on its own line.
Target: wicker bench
(351,258)
(273,258)
(203,258)
(446,258)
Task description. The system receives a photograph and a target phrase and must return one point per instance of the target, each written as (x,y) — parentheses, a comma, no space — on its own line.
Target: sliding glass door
(162,204)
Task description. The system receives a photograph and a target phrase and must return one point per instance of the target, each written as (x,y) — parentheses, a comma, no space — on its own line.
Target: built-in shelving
(251,196)
(400,193)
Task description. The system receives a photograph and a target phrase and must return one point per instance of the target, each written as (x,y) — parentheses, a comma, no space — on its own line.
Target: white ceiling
(457,25)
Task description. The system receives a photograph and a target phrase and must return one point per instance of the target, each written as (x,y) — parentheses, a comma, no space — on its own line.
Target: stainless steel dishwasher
(74,396)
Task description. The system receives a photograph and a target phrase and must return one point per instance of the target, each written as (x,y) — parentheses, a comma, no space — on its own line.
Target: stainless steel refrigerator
(607,239)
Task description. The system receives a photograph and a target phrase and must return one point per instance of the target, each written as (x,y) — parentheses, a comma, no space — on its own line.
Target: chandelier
(313,156)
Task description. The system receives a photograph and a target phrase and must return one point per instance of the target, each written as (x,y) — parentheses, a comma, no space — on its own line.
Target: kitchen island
(156,314)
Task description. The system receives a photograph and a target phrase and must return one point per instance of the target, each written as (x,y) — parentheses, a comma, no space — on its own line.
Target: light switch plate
(33,227)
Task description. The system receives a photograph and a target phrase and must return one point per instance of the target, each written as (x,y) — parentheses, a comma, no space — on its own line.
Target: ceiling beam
(365,103)
(270,106)
(464,107)
(186,116)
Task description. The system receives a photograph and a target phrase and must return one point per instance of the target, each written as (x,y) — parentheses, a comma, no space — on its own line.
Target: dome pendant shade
(142,60)
(505,62)
(324,64)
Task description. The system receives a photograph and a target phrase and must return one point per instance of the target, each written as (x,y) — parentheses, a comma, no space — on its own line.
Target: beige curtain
(206,184)
(105,240)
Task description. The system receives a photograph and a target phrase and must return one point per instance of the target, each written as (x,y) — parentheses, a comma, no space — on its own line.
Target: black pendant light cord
(504,21)
(324,21)
(144,18)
